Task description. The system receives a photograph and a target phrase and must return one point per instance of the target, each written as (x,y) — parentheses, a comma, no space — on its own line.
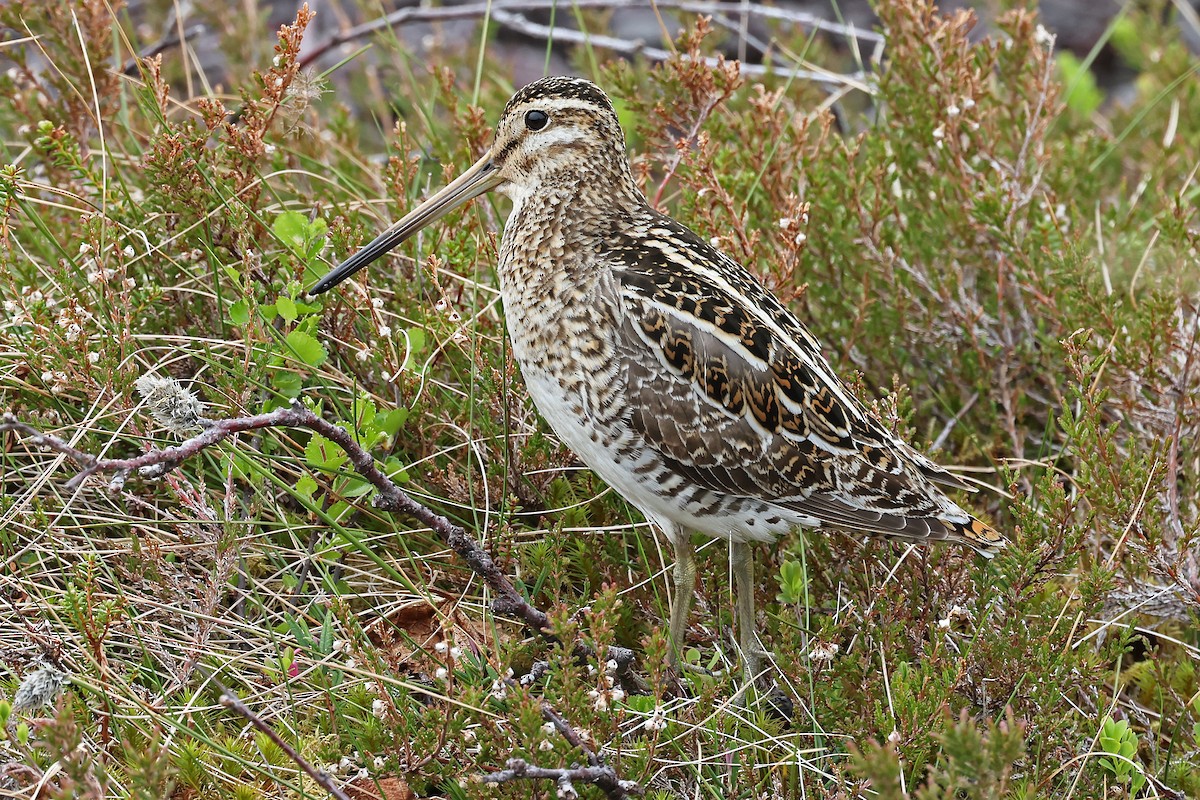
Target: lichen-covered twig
(603,777)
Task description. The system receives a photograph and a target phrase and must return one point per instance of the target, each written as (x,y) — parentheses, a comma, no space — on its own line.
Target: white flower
(441,673)
(953,110)
(84,249)
(93,357)
(377,302)
(657,720)
(385,331)
(822,651)
(378,707)
(610,665)
(545,744)
(786,222)
(968,102)
(939,132)
(128,251)
(338,645)
(379,762)
(801,238)
(441,647)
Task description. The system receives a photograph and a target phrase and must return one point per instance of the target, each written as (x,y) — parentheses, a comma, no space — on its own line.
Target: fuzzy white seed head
(39,688)
(171,405)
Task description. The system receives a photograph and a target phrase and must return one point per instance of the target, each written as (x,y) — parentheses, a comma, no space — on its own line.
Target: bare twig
(603,777)
(130,67)
(231,701)
(511,14)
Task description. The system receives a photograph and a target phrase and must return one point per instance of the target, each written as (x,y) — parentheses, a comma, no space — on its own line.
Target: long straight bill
(481,177)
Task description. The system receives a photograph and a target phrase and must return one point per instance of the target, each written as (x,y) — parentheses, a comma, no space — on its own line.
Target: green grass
(1011,277)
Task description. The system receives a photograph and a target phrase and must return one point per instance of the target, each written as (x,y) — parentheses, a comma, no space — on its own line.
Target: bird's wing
(731,389)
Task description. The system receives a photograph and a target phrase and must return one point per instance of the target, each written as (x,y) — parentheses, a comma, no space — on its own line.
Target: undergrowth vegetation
(1008,274)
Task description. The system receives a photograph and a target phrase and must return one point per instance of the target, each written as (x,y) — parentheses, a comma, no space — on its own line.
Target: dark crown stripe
(561,87)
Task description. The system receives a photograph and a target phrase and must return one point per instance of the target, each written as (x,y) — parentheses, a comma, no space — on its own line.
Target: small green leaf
(395,470)
(393,421)
(353,487)
(320,453)
(792,582)
(1083,95)
(364,416)
(306,348)
(286,308)
(239,312)
(287,383)
(292,229)
(306,487)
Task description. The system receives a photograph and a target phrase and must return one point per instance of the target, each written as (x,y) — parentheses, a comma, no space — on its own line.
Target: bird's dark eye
(536,120)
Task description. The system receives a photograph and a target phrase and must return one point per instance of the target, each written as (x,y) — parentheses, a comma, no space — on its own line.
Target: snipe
(666,367)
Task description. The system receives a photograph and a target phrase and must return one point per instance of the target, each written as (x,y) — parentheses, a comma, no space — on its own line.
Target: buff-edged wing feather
(731,389)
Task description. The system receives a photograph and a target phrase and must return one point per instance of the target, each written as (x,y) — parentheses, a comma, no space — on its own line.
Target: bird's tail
(981,537)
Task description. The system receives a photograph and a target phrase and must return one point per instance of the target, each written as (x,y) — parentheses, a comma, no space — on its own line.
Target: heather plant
(1003,262)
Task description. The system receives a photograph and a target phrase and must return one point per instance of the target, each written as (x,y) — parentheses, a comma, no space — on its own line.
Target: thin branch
(130,67)
(231,701)
(603,777)
(512,15)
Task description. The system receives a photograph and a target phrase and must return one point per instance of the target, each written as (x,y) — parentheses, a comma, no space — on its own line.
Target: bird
(667,368)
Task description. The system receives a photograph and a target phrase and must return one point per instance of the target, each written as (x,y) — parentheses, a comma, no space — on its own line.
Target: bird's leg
(685,587)
(741,560)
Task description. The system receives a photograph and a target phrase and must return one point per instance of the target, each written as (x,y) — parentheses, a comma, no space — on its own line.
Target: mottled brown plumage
(666,367)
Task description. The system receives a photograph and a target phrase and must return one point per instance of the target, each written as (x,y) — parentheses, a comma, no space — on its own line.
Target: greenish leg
(741,560)
(685,587)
